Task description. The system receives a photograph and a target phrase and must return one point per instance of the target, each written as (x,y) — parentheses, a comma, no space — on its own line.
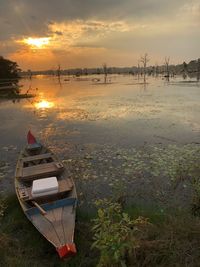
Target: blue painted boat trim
(52,205)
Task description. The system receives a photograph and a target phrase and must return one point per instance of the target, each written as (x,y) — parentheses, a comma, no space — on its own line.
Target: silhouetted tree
(167,59)
(144,60)
(156,70)
(58,71)
(185,70)
(138,69)
(29,74)
(184,66)
(198,69)
(9,72)
(105,71)
(85,71)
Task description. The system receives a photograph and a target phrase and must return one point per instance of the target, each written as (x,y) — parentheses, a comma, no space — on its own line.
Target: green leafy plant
(116,235)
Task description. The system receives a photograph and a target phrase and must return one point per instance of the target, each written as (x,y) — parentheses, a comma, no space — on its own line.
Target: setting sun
(37,42)
(44,104)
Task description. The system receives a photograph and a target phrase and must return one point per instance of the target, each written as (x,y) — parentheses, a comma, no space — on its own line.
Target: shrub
(116,235)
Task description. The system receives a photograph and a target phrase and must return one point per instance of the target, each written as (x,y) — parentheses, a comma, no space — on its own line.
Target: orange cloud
(34,59)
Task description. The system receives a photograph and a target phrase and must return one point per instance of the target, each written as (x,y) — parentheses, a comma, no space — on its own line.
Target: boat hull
(53,216)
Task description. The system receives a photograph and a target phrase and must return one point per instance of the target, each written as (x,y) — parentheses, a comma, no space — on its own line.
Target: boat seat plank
(37,157)
(64,185)
(41,171)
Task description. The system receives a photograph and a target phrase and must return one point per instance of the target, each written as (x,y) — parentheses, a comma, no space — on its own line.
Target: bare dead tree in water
(185,70)
(58,73)
(138,70)
(144,60)
(105,71)
(198,69)
(156,70)
(30,74)
(167,59)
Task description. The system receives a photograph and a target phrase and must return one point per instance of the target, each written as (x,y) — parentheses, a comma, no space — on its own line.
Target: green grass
(171,239)
(154,214)
(22,245)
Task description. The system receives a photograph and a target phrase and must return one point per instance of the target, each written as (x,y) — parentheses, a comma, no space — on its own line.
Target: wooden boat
(47,195)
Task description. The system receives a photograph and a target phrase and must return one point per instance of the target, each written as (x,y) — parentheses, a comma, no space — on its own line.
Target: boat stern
(68,250)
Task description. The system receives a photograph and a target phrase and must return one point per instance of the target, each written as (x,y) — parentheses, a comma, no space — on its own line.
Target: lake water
(84,120)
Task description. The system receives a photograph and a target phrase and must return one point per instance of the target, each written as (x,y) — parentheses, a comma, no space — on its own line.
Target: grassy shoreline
(173,239)
(22,245)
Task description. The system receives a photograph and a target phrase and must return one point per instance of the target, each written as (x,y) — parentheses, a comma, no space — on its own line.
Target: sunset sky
(40,34)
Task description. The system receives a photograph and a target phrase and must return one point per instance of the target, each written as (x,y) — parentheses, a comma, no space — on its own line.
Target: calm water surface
(124,112)
(78,116)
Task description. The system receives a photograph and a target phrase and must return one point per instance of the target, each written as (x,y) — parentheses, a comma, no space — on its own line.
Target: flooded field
(98,129)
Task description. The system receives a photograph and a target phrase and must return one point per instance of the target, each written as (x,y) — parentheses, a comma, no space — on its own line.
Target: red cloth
(30,138)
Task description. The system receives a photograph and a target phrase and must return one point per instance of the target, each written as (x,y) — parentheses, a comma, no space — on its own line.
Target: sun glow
(37,42)
(44,104)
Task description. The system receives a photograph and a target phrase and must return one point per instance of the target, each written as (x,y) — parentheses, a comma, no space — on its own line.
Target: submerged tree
(144,60)
(9,72)
(185,70)
(138,69)
(58,73)
(29,74)
(105,71)
(167,59)
(198,69)
(156,70)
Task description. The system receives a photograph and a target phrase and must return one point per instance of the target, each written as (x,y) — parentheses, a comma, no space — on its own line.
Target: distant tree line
(166,69)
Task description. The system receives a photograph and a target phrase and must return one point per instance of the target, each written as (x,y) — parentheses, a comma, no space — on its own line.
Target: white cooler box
(44,187)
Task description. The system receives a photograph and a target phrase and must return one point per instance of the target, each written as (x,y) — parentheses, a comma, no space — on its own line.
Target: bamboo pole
(42,211)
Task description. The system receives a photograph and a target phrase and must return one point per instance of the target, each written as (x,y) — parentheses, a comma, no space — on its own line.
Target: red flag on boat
(30,138)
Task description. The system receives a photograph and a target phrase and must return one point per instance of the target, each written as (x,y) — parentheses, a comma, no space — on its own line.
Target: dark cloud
(84,9)
(31,17)
(101,24)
